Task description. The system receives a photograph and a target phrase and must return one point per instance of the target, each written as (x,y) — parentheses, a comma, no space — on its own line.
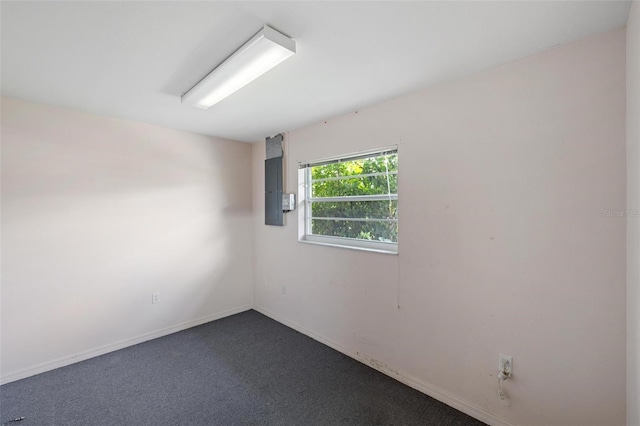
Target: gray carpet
(240,370)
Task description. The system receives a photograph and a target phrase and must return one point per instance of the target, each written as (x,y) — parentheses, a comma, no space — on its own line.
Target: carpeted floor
(243,369)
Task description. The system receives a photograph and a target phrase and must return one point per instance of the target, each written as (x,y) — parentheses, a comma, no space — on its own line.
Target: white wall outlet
(505,366)
(155,298)
(283,289)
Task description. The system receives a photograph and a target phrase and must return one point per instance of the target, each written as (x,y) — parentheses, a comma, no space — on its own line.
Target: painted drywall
(633,212)
(510,182)
(98,214)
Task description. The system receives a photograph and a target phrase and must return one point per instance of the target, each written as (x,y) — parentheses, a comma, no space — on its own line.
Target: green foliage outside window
(351,182)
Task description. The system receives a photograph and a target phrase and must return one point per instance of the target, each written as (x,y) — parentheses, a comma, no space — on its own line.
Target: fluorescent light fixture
(264,51)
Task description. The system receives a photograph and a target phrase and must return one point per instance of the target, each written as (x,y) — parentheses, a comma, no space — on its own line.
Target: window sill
(349,247)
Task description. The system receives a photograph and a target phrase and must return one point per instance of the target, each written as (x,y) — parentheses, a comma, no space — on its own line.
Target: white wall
(97,214)
(633,221)
(505,245)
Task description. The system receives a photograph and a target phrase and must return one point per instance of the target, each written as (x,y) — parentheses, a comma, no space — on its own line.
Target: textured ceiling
(133,60)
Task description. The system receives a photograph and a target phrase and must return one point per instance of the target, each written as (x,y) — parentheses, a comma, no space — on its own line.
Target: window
(351,201)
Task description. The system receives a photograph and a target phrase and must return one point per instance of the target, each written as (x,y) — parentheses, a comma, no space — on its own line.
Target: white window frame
(305,201)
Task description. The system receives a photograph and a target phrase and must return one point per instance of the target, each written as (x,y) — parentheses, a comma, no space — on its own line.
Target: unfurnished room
(320,213)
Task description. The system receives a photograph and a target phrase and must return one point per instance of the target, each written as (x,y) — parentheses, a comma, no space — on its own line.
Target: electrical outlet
(505,365)
(283,289)
(155,298)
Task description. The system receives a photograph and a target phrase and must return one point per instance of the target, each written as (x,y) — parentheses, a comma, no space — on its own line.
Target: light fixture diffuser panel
(264,51)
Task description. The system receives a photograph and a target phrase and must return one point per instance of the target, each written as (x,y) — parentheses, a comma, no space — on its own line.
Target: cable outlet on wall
(283,289)
(505,366)
(155,298)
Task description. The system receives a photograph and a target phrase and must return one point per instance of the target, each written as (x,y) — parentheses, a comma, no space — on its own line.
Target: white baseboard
(426,388)
(84,355)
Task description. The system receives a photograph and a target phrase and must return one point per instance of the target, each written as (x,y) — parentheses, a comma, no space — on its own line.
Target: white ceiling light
(264,51)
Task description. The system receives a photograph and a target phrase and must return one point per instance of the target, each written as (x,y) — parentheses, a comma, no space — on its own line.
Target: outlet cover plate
(505,363)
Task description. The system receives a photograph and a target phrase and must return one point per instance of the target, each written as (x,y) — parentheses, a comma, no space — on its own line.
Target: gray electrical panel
(275,201)
(273,192)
